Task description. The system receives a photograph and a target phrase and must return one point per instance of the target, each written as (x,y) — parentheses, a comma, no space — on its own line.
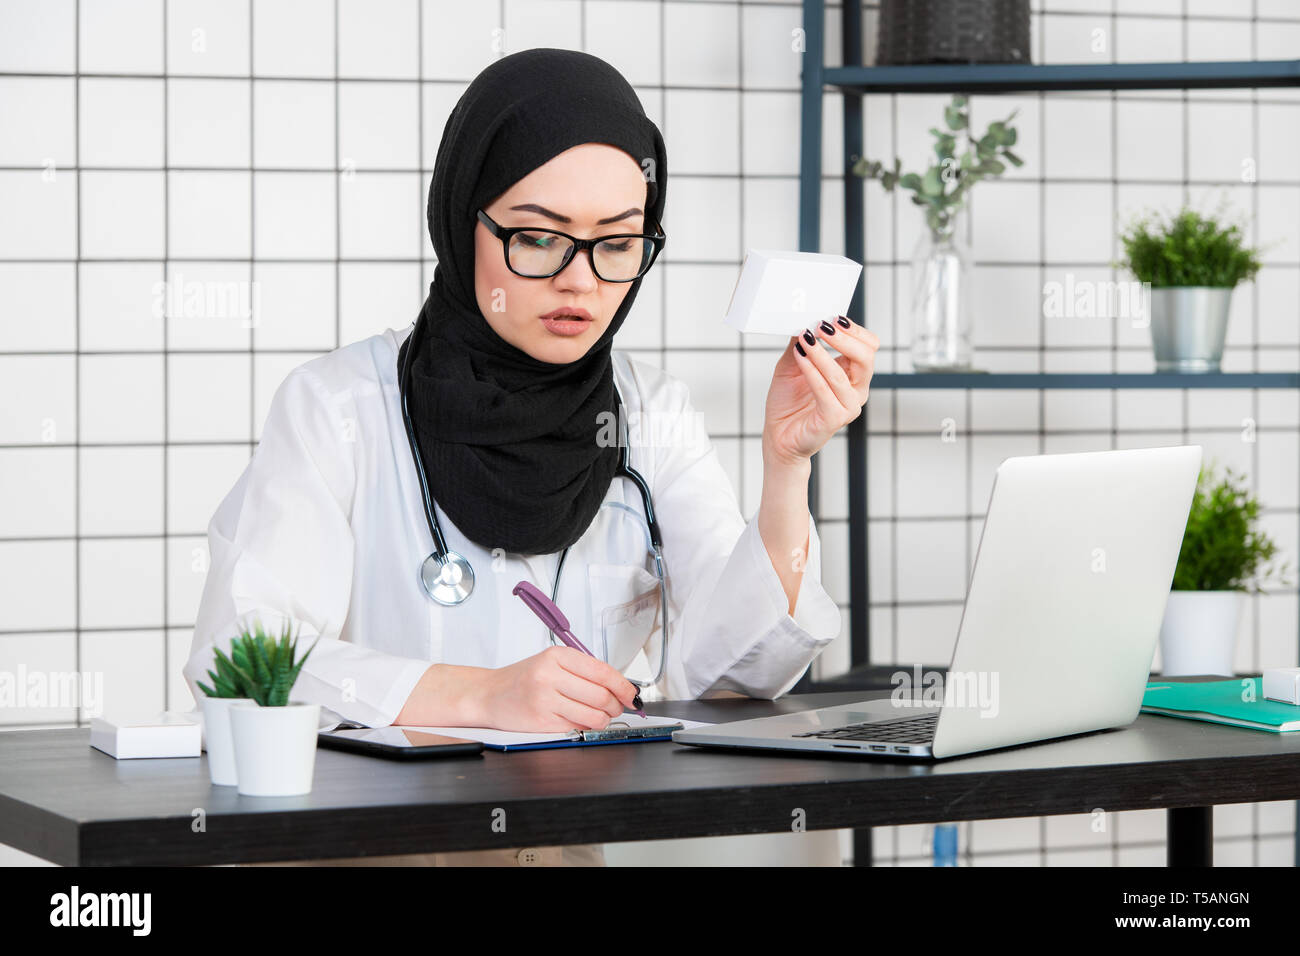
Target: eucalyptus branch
(942,188)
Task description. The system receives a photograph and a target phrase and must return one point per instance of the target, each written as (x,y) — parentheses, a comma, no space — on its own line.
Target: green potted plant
(1192,263)
(1223,557)
(227,689)
(274,737)
(941,310)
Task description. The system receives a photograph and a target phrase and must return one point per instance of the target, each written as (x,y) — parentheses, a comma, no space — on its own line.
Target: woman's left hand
(813,396)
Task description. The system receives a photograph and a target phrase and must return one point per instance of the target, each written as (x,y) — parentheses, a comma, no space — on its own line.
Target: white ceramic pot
(275,747)
(1199,632)
(217,740)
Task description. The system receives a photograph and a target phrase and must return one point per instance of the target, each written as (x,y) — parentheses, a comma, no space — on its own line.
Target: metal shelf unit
(853,80)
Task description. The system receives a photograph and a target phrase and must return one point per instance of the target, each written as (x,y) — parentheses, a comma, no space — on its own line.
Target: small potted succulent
(1192,263)
(274,737)
(227,688)
(1222,558)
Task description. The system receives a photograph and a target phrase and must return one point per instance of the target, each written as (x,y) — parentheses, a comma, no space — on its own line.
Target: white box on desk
(1282,684)
(166,735)
(783,293)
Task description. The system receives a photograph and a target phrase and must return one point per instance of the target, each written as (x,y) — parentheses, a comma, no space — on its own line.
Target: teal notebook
(1239,701)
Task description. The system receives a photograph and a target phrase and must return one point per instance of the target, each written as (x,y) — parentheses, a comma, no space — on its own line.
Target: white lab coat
(326,525)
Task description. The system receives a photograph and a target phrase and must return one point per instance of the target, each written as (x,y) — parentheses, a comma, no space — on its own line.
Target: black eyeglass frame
(506,233)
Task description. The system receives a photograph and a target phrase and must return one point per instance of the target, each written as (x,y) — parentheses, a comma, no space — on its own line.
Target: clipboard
(588,738)
(628,729)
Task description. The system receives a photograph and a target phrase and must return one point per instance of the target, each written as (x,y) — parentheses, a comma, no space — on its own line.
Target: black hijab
(509,442)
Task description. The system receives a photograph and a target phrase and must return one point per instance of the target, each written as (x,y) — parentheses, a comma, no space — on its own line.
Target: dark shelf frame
(1061,77)
(853,80)
(898,380)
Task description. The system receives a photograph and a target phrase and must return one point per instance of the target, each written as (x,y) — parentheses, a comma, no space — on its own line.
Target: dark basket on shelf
(952,31)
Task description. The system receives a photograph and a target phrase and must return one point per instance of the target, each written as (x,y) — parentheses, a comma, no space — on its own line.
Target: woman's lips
(567,321)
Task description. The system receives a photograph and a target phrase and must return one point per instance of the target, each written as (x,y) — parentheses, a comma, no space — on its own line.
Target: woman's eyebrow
(542,210)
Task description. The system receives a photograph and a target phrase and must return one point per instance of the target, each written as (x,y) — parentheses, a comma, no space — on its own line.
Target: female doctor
(405,484)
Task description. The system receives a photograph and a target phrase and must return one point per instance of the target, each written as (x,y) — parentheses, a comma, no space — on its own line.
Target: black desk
(65,802)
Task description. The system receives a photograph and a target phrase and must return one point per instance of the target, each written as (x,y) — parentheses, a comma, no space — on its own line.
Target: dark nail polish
(828,328)
(799,349)
(843,320)
(808,337)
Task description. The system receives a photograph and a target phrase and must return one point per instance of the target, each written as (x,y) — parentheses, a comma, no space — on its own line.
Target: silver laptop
(1059,627)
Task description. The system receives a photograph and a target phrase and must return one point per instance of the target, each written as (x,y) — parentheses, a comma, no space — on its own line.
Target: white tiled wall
(209,141)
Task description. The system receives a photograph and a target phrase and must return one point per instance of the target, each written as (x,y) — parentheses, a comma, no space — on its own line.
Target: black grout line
(76,388)
(727,263)
(1154,95)
(721,436)
(423,182)
(985,349)
(1042,324)
(741,402)
(952,602)
(338,195)
(1114,327)
(1254,322)
(252,234)
(1113,396)
(166,356)
(893,405)
(720,263)
(738,177)
(663,118)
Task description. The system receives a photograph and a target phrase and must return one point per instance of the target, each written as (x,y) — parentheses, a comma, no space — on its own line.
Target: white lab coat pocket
(625,611)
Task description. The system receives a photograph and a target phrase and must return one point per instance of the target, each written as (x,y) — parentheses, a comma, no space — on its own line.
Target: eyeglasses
(542,253)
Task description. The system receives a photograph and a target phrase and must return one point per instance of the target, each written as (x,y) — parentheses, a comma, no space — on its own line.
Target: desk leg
(862,854)
(1190,836)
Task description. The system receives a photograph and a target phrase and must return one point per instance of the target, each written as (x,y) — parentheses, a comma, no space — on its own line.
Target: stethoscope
(448,577)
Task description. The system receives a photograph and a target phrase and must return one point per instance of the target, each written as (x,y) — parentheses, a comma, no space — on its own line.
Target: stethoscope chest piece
(447,578)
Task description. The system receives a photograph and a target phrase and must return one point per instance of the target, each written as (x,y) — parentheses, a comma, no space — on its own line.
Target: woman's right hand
(555,690)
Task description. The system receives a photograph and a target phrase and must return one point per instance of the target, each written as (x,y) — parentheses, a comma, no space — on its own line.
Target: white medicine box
(783,293)
(1282,684)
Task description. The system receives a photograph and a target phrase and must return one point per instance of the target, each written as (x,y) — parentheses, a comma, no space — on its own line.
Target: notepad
(1239,702)
(645,729)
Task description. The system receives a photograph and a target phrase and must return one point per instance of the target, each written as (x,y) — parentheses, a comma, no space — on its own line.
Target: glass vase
(941,309)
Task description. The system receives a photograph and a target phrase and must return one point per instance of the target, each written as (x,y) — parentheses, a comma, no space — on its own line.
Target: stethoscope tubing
(625,469)
(439,542)
(461,582)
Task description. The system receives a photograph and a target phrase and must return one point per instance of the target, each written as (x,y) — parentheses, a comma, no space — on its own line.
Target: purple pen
(558,624)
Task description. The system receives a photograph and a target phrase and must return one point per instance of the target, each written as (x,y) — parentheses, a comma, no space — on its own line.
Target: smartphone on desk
(395,743)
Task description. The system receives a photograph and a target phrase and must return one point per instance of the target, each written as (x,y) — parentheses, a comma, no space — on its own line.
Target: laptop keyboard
(903,730)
